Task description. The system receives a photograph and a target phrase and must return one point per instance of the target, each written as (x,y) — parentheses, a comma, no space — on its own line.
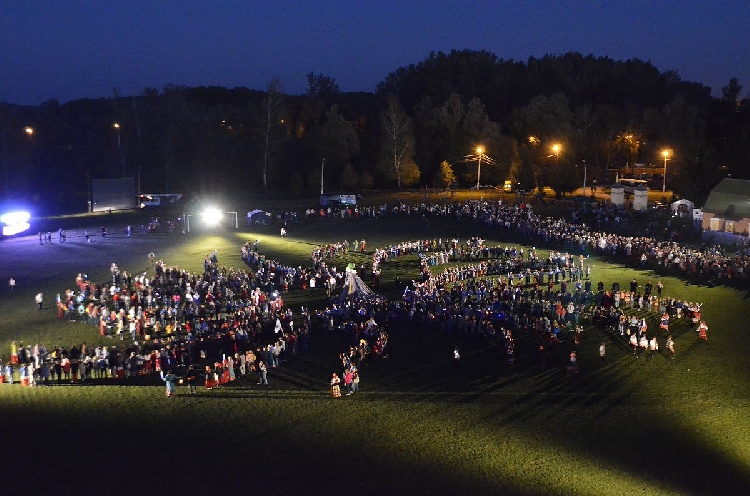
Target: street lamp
(665,153)
(5,150)
(116,127)
(556,148)
(480,152)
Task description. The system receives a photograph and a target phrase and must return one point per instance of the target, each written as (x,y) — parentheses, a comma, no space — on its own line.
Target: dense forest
(536,123)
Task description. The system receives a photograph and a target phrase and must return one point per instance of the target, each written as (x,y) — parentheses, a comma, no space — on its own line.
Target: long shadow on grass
(615,417)
(629,427)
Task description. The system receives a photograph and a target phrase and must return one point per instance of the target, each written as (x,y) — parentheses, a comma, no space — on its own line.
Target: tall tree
(547,118)
(454,130)
(731,92)
(398,142)
(348,178)
(336,142)
(321,86)
(446,177)
(273,130)
(564,178)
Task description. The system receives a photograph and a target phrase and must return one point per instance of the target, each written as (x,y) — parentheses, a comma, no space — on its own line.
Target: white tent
(258,217)
(355,287)
(683,208)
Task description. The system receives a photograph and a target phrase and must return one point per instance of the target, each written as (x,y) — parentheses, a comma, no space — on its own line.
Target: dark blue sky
(85,48)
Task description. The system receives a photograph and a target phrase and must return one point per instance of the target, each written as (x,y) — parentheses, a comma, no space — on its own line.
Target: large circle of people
(234,322)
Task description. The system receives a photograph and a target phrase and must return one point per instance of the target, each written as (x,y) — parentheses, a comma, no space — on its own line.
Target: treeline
(426,124)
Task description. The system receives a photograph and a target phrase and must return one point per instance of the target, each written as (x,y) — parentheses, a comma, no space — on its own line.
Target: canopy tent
(683,208)
(730,198)
(255,217)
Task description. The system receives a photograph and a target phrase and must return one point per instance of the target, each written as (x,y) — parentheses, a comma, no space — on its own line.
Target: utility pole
(584,178)
(322,169)
(480,152)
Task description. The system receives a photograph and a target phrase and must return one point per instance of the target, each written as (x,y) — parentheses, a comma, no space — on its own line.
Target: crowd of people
(545,296)
(232,319)
(602,235)
(235,321)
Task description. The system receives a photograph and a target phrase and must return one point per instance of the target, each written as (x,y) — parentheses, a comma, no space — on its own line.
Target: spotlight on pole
(15,222)
(212,216)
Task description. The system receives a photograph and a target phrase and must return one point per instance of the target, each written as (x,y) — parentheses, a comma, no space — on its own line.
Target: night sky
(85,48)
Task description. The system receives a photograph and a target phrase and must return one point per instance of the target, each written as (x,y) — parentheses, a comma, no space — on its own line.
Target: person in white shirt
(653,347)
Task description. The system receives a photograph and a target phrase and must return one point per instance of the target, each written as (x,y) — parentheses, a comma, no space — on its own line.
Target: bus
(632,183)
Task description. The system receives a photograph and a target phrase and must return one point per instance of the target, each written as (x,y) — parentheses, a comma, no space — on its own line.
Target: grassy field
(419,424)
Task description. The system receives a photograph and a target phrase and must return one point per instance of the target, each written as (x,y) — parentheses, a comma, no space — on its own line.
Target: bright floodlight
(15,218)
(13,229)
(212,216)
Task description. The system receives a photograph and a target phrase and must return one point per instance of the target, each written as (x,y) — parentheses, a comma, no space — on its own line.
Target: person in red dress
(702,330)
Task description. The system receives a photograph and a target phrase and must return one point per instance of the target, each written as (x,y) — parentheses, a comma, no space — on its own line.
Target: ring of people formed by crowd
(605,306)
(219,317)
(709,262)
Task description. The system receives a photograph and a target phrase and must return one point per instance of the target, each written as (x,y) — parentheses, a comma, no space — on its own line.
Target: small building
(640,198)
(728,207)
(617,195)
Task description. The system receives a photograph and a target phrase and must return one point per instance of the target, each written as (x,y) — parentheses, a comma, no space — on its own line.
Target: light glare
(15,218)
(212,216)
(16,228)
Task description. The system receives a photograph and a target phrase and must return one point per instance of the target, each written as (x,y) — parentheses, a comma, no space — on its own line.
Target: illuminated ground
(419,426)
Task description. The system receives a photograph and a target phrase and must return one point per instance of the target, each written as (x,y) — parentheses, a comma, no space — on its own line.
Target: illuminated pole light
(29,130)
(665,153)
(212,216)
(556,148)
(480,152)
(116,127)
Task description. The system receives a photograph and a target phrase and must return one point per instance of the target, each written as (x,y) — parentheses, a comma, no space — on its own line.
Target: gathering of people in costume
(235,319)
(167,323)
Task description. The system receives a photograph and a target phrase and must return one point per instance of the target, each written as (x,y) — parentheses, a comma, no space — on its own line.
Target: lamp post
(556,148)
(584,178)
(116,127)
(480,151)
(322,170)
(5,149)
(665,154)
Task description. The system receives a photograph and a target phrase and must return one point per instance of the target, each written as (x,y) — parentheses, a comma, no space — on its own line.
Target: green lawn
(419,425)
